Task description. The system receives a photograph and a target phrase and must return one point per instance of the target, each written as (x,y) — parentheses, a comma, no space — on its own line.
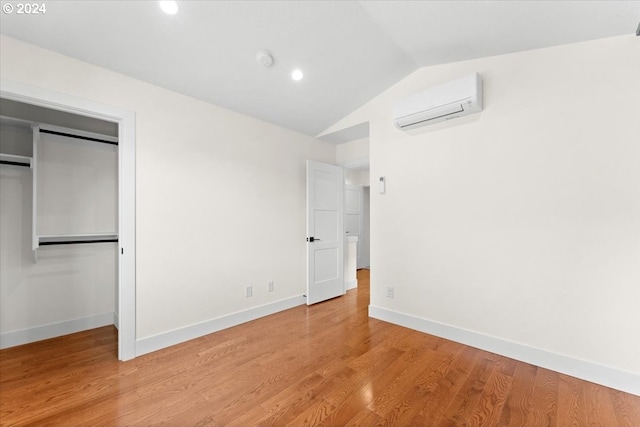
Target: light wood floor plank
(325,365)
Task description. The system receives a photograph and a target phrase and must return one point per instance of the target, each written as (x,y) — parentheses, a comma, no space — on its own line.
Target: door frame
(126,122)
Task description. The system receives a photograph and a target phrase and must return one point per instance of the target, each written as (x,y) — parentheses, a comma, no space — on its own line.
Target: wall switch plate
(249,291)
(390,291)
(270,286)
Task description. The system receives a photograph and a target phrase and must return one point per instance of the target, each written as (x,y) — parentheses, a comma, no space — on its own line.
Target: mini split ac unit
(456,98)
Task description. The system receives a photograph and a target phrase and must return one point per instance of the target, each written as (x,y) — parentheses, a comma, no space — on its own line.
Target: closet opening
(67,235)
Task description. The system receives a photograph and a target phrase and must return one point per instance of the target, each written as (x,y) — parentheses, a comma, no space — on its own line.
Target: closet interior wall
(62,288)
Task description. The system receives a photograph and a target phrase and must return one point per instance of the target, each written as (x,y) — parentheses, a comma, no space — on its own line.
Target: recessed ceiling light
(169,7)
(297,75)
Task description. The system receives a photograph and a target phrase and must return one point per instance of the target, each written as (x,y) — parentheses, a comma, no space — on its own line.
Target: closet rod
(73,242)
(9,162)
(78,136)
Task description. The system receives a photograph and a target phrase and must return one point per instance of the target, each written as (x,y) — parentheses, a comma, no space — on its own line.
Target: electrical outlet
(390,291)
(249,291)
(270,286)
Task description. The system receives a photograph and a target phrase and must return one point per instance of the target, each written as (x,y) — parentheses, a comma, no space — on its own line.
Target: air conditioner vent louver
(453,99)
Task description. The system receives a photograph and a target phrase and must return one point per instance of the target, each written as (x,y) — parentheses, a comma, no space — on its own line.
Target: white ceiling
(350,51)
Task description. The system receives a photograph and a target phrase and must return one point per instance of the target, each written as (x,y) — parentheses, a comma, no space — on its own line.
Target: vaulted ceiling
(349,51)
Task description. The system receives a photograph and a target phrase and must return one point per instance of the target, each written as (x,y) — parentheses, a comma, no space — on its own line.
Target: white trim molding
(177,336)
(628,382)
(39,333)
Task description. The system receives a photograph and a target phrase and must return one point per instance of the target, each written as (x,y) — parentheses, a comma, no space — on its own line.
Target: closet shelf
(69,239)
(11,159)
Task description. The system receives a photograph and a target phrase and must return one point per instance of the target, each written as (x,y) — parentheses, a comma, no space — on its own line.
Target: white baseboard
(351,284)
(628,382)
(39,333)
(177,336)
(116,320)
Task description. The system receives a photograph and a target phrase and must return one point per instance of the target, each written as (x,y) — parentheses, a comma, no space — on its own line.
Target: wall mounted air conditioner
(453,99)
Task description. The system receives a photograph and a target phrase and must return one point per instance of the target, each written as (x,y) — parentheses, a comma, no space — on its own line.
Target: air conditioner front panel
(422,117)
(453,99)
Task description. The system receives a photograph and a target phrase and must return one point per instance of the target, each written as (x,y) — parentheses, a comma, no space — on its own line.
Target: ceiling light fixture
(297,75)
(169,7)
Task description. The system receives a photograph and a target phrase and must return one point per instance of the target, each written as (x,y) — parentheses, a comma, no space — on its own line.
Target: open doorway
(58,234)
(363,271)
(357,223)
(352,153)
(124,256)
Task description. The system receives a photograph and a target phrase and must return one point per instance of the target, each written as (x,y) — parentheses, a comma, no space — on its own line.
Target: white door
(325,231)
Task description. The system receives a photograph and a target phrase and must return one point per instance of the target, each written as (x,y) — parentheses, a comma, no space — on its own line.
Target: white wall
(220,197)
(356,177)
(15,139)
(520,224)
(77,188)
(353,153)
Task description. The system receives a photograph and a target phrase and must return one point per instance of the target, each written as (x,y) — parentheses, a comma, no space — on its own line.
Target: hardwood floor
(327,365)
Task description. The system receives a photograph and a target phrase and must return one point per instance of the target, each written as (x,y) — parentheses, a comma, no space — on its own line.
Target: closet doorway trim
(126,121)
